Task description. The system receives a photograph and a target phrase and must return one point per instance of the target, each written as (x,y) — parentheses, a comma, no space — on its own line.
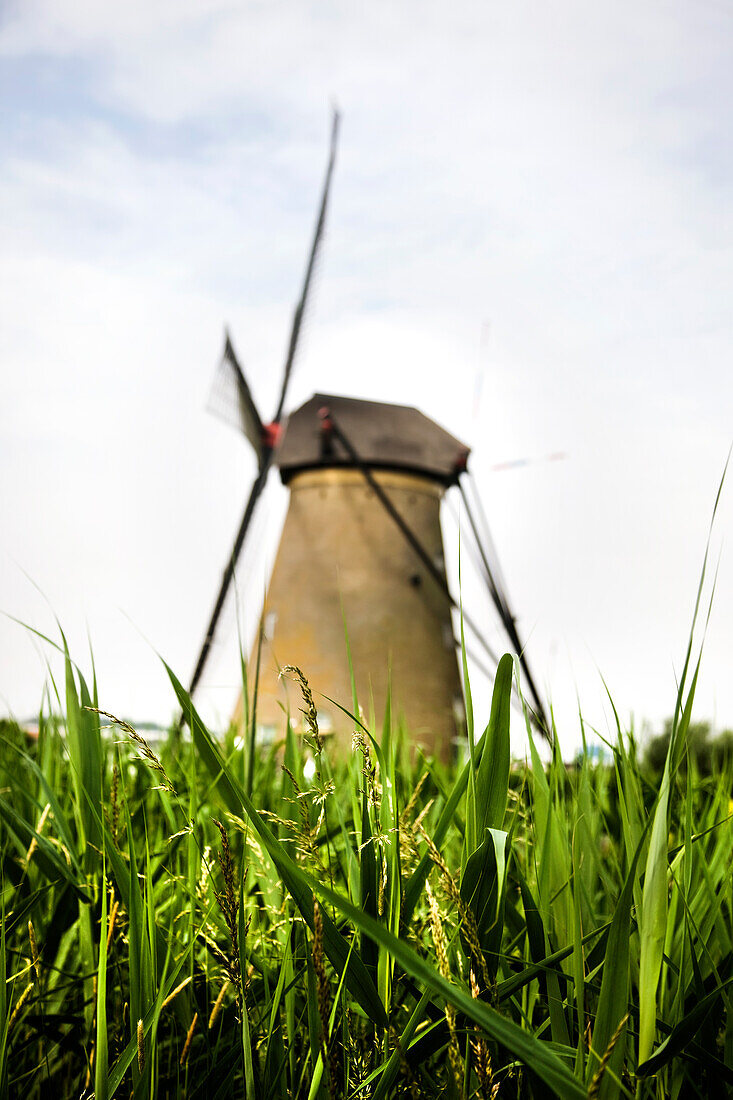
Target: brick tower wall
(341,557)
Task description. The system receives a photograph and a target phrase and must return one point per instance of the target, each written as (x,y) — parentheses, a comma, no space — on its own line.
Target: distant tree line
(708,750)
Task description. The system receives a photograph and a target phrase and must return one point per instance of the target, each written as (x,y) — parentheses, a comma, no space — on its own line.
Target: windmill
(361,553)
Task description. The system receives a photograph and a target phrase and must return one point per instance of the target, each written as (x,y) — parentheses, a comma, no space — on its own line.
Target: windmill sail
(497,590)
(310,267)
(232,401)
(268,433)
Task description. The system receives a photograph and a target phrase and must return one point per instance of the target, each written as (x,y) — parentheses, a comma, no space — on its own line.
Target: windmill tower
(361,551)
(345,565)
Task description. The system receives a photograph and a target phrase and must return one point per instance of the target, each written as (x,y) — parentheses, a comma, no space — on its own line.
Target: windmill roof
(393,437)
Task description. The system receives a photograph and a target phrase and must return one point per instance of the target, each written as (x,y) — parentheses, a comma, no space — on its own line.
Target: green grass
(565,931)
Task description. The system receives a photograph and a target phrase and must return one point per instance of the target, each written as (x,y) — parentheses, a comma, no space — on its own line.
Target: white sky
(555,176)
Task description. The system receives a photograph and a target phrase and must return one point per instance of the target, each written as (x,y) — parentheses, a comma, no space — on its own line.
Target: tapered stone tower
(346,564)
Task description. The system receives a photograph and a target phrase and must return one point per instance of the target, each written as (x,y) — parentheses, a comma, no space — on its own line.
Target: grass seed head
(217,1004)
(305,835)
(228,902)
(39,829)
(594,1089)
(189,1039)
(468,920)
(323,985)
(360,744)
(112,920)
(204,874)
(22,1001)
(114,799)
(437,926)
(308,710)
(35,959)
(145,751)
(482,1057)
(412,800)
(140,1046)
(174,993)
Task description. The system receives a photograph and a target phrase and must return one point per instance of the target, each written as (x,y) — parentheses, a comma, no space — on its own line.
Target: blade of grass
(613,1002)
(101,1049)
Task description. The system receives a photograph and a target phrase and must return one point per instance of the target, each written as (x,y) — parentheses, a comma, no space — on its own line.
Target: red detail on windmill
(326,432)
(271,435)
(461,461)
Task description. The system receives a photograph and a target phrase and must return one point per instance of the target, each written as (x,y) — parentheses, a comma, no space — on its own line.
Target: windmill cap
(388,437)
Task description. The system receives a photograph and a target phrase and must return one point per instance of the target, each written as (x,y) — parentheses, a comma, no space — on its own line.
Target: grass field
(205,922)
